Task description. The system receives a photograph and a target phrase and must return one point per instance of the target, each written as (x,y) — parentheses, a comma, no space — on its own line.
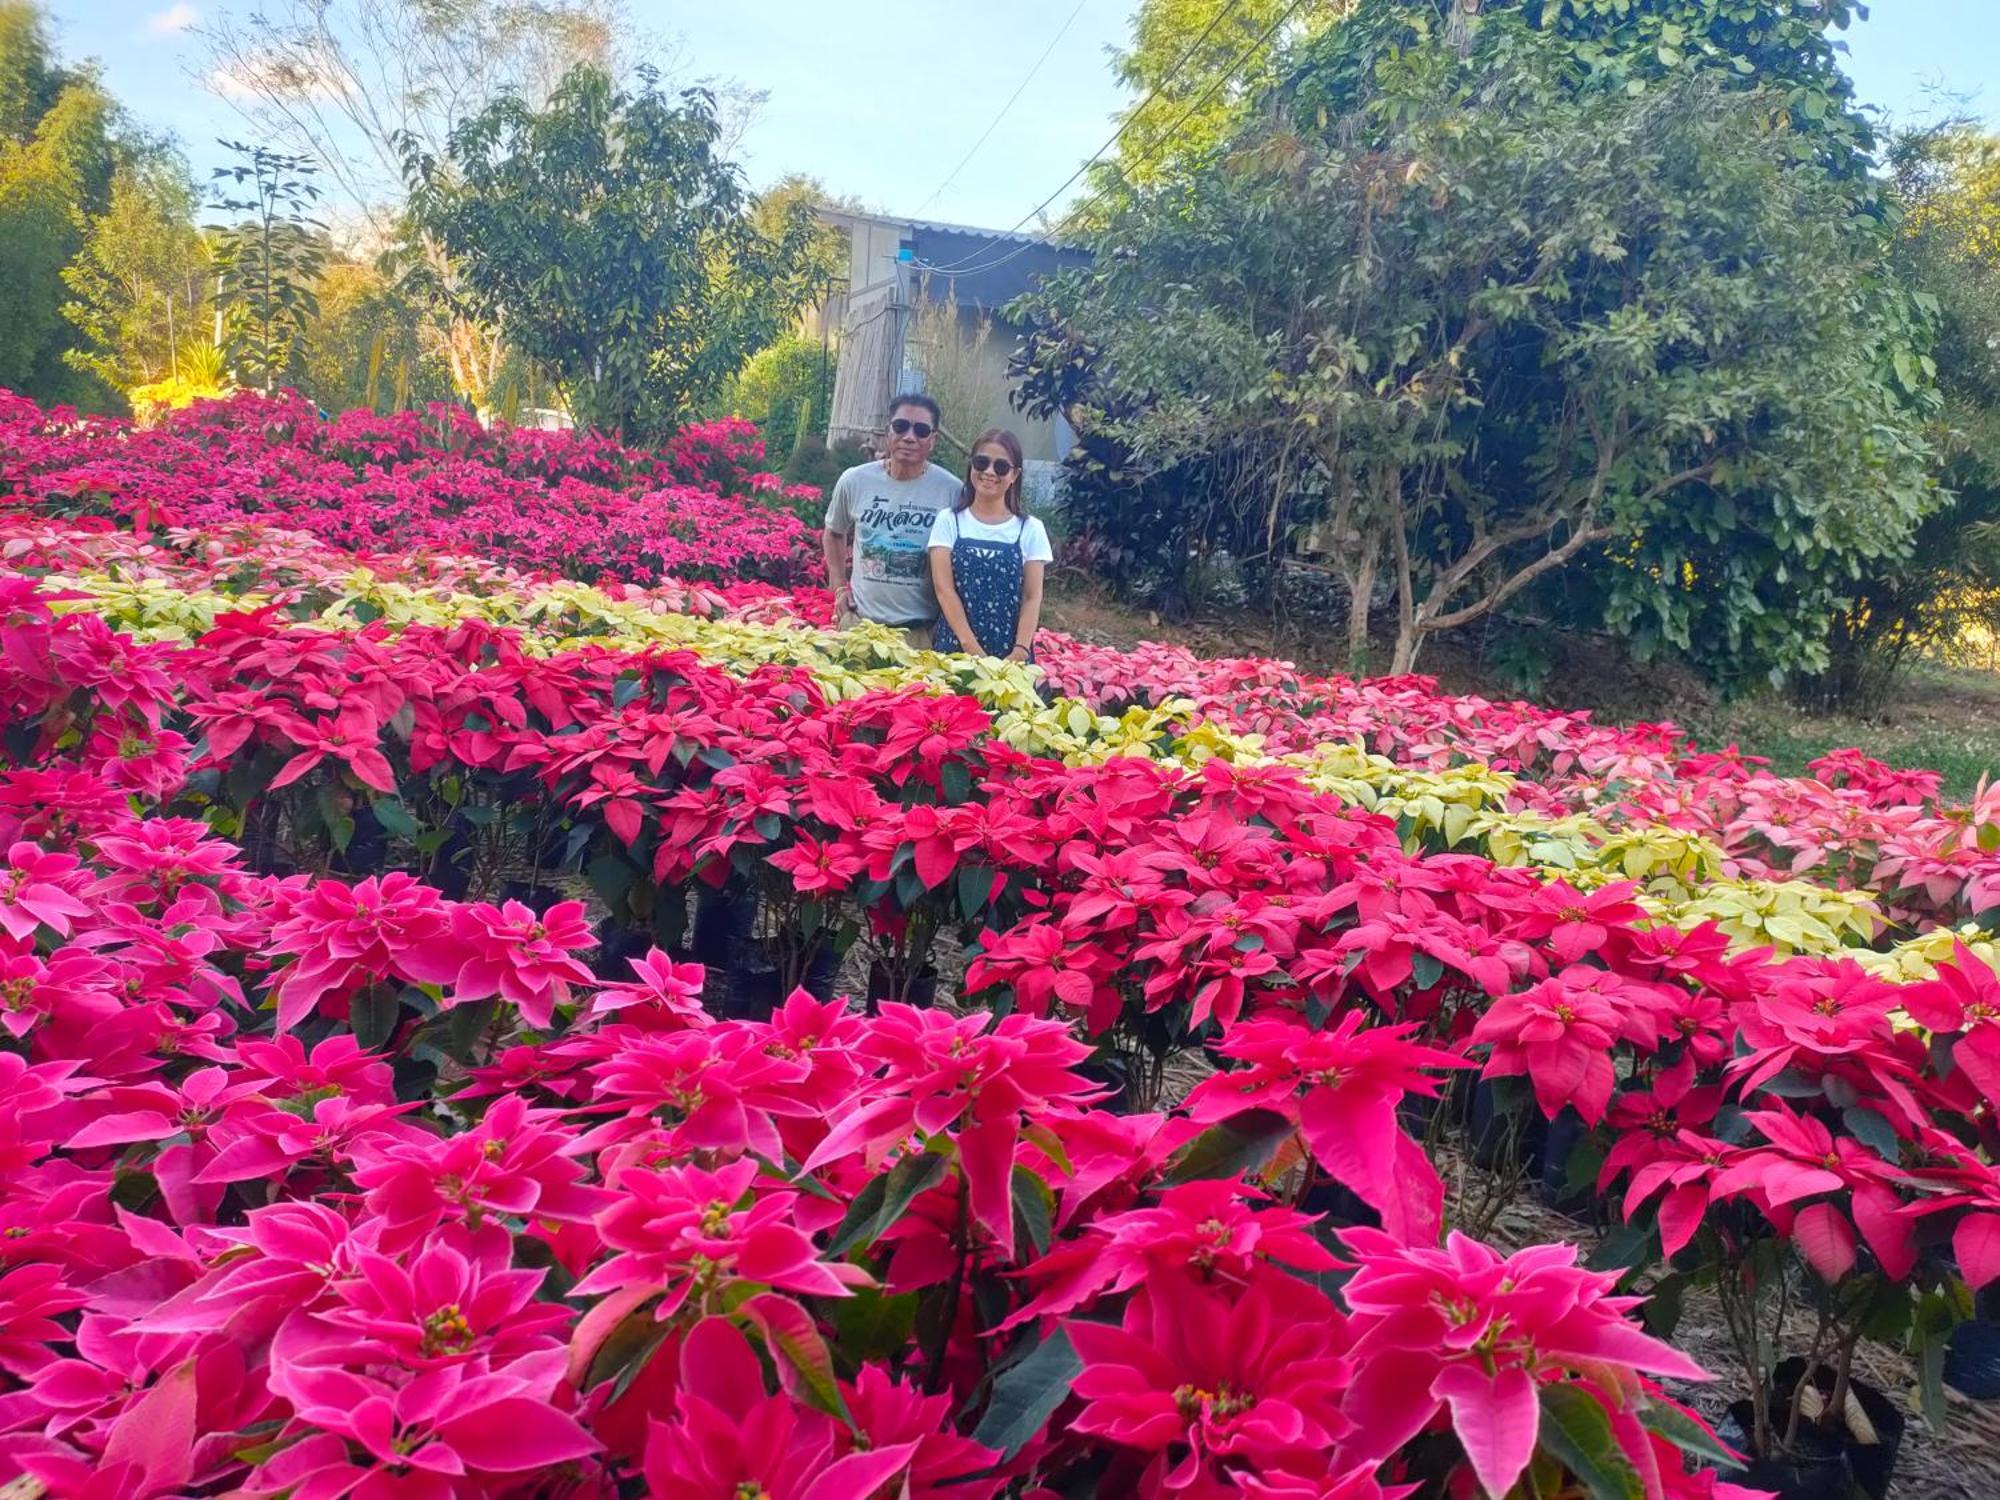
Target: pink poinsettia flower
(952,1073)
(32,1297)
(347,936)
(1343,1086)
(525,959)
(1681,1168)
(660,993)
(455,1299)
(730,1439)
(942,1465)
(1798,1159)
(1047,966)
(284,1258)
(38,889)
(721,1087)
(354,735)
(1203,1379)
(1362,1483)
(1963,998)
(1641,1119)
(517,1161)
(1573,924)
(1203,1232)
(1467,1330)
(686,1232)
(1561,1033)
(816,869)
(457,1421)
(264,1141)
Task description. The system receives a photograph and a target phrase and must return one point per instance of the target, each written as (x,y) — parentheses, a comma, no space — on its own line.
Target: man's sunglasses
(1001,467)
(903,425)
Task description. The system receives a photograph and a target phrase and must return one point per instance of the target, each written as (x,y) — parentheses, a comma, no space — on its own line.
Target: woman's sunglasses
(1001,467)
(903,425)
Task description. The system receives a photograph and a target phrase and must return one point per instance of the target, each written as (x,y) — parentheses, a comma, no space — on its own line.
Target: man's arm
(836,542)
(833,546)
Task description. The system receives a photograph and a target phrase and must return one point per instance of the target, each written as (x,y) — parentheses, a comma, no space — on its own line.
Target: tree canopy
(1483,317)
(612,241)
(56,163)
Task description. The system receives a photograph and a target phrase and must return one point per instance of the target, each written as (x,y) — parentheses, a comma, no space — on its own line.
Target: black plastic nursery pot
(1340,1204)
(1828,1462)
(1972,1358)
(919,990)
(752,994)
(1110,1071)
(1561,1139)
(1497,1133)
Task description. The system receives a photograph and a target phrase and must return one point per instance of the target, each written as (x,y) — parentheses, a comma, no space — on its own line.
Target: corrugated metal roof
(938,226)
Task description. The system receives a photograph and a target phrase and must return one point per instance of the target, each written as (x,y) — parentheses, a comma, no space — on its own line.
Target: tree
(1785,49)
(139,285)
(56,159)
(1485,322)
(365,347)
(1194,67)
(268,262)
(1947,180)
(611,240)
(784,389)
(346,84)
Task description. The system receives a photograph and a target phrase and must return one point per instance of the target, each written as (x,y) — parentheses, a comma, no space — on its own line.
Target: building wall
(873,317)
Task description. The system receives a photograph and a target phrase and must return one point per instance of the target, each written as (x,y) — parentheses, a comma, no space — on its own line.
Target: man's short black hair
(918,398)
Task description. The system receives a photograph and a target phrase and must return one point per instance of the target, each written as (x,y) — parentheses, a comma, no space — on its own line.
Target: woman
(987,557)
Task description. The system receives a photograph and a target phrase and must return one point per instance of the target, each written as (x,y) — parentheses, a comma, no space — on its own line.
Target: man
(878,527)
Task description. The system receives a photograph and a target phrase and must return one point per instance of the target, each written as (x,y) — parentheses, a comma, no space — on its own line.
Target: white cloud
(176,17)
(296,76)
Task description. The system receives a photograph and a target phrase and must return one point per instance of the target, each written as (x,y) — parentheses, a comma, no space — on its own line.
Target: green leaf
(1425,971)
(611,876)
(1238,1145)
(465,1024)
(874,1325)
(1026,1395)
(1034,1210)
(1872,1128)
(1577,1432)
(975,886)
(956,779)
(805,1364)
(372,1014)
(394,817)
(885,1199)
(624,1354)
(1686,1434)
(1791,1084)
(1629,1244)
(625,689)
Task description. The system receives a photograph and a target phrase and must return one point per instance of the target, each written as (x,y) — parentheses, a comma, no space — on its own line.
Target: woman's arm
(1031,608)
(949,604)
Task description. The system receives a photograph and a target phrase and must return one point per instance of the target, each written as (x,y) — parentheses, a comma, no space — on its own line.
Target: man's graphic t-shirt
(891,522)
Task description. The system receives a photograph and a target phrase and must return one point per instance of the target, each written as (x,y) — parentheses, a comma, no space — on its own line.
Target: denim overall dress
(988,577)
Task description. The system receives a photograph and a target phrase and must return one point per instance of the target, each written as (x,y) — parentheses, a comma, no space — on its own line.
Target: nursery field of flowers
(369,786)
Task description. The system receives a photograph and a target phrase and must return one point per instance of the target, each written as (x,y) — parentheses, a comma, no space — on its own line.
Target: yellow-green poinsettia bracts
(1683,877)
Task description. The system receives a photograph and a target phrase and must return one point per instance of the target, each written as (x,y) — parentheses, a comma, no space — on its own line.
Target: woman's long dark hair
(1016,501)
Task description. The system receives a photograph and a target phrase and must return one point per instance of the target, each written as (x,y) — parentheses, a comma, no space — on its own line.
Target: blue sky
(883,101)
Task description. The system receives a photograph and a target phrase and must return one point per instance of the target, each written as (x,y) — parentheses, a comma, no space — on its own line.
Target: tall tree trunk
(1405,657)
(1360,594)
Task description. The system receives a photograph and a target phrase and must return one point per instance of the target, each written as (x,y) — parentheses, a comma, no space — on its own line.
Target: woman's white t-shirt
(1032,536)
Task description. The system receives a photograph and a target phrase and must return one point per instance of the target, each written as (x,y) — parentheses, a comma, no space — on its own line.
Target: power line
(1116,135)
(1012,99)
(963,269)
